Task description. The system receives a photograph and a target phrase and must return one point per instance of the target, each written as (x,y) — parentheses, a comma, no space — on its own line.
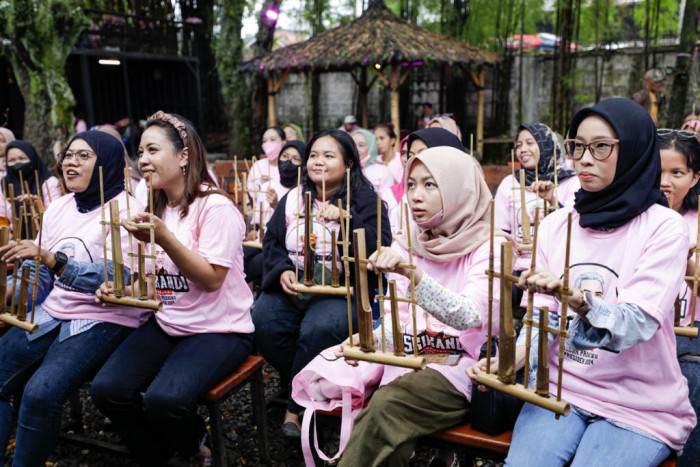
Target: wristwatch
(61,260)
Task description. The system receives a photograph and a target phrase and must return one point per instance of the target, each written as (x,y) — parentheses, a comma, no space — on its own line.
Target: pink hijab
(397,188)
(465,201)
(7,133)
(448,123)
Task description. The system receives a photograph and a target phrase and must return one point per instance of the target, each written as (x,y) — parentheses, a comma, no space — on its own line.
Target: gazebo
(377,41)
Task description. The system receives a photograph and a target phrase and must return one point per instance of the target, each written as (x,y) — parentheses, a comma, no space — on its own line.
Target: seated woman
(377,173)
(291,329)
(450,204)
(680,172)
(386,139)
(75,335)
(150,386)
(22,158)
(535,148)
(629,400)
(289,162)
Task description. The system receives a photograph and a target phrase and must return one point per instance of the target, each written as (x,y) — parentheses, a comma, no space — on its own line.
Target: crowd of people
(630,189)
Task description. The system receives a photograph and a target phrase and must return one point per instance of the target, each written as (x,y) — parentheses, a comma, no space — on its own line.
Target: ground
(242,449)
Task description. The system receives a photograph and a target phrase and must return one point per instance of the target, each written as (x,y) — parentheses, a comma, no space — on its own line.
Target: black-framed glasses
(670,132)
(600,149)
(81,157)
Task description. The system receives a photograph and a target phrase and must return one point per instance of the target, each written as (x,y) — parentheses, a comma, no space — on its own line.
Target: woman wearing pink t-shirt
(377,173)
(629,400)
(150,386)
(75,335)
(386,139)
(449,202)
(680,172)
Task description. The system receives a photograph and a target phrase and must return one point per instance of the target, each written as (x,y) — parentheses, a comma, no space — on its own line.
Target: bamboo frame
(18,316)
(504,381)
(366,350)
(119,297)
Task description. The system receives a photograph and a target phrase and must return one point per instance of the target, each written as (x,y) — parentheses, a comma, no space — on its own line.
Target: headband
(172,120)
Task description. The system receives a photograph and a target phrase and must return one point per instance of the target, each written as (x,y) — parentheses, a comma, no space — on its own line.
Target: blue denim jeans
(150,386)
(289,338)
(52,371)
(541,440)
(690,368)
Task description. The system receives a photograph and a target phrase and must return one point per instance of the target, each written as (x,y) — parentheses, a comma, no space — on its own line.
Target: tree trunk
(229,55)
(679,93)
(43,35)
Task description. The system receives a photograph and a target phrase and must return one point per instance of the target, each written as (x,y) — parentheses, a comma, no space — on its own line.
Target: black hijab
(12,179)
(635,187)
(287,169)
(548,144)
(433,137)
(110,155)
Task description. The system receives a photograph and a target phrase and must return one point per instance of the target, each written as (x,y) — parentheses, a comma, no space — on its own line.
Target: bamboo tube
(323,229)
(23,295)
(555,197)
(154,305)
(528,395)
(364,307)
(344,228)
(542,384)
(564,307)
(37,265)
(127,182)
(686,331)
(489,351)
(152,251)
(694,296)
(296,261)
(506,331)
(245,193)
(39,196)
(15,272)
(104,226)
(4,240)
(380,289)
(143,285)
(25,325)
(322,290)
(395,321)
(530,298)
(525,217)
(261,230)
(412,280)
(117,257)
(385,358)
(335,274)
(235,180)
(309,253)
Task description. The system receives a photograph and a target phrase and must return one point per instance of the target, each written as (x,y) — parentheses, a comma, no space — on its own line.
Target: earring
(184,170)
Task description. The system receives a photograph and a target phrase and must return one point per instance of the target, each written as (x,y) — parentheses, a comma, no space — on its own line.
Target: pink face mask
(272,150)
(433,221)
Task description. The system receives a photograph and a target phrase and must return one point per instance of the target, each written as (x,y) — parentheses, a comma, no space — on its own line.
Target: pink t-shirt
(379,176)
(685,294)
(508,215)
(395,167)
(262,176)
(294,237)
(641,263)
(467,276)
(79,236)
(213,229)
(50,191)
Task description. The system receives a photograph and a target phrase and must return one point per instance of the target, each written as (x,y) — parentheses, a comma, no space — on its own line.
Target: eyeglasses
(81,157)
(600,149)
(680,133)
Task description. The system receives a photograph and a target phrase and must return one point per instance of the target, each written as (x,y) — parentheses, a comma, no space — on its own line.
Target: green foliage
(42,34)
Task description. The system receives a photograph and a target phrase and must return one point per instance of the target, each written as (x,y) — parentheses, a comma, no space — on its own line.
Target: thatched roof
(378,36)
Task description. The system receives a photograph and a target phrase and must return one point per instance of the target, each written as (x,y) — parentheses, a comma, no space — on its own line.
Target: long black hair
(690,148)
(352,160)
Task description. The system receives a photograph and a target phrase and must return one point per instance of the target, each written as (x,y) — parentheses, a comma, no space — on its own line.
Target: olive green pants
(416,404)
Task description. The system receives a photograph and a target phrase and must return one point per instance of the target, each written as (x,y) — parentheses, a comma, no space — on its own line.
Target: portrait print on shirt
(169,281)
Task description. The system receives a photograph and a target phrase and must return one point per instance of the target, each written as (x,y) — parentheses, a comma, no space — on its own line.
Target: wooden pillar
(271,112)
(364,90)
(394,88)
(480,112)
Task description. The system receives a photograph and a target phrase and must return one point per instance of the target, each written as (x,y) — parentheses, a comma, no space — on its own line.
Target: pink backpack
(327,383)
